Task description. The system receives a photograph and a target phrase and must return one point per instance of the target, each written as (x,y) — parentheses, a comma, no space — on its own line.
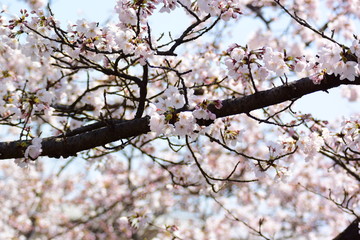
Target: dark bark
(291,91)
(351,232)
(100,134)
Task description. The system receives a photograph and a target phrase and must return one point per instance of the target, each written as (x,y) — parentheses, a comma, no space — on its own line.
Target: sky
(322,105)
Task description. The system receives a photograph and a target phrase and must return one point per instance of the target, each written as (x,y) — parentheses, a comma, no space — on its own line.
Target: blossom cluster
(248,166)
(261,64)
(32,152)
(339,61)
(166,118)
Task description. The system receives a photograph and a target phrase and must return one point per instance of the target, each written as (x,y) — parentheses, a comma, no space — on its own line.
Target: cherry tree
(179,136)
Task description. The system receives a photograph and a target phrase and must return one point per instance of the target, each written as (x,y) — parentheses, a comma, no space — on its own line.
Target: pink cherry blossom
(34,150)
(130,128)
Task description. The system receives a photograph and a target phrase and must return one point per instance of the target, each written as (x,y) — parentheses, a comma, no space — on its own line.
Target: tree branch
(351,232)
(70,145)
(286,92)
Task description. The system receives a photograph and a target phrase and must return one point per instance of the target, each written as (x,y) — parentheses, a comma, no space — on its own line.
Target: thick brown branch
(351,232)
(291,91)
(71,145)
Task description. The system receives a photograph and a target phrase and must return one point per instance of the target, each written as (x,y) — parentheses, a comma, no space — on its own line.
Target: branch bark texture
(100,134)
(352,232)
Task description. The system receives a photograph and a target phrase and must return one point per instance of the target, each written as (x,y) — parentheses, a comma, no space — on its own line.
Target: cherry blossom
(120,131)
